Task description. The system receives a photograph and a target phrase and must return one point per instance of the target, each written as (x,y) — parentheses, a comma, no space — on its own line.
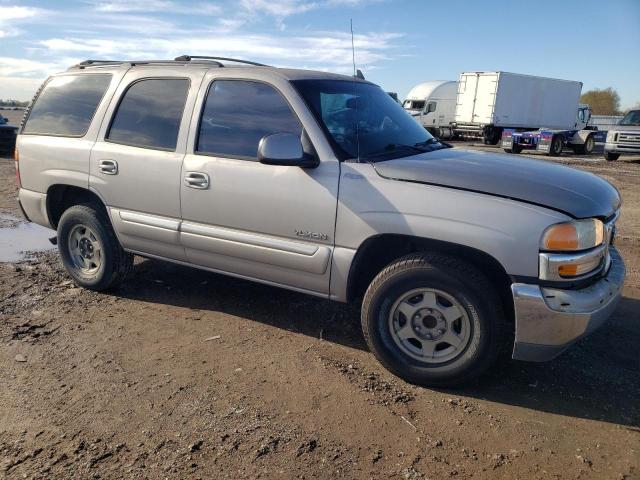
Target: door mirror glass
(284,149)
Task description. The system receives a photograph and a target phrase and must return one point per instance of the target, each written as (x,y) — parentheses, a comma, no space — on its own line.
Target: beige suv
(323,184)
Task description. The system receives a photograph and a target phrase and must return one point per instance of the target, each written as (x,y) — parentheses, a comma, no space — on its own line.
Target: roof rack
(97,63)
(188,58)
(183,60)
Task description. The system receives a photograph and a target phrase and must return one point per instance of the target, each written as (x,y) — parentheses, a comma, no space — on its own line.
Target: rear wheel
(610,156)
(556,146)
(90,250)
(432,320)
(514,149)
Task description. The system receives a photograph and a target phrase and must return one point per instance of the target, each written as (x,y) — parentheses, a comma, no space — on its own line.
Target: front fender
(505,229)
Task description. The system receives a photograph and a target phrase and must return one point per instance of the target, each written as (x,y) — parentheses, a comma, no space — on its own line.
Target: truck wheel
(89,248)
(514,149)
(556,146)
(432,319)
(589,145)
(610,157)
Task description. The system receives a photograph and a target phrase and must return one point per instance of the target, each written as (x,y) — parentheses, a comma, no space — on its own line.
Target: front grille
(633,138)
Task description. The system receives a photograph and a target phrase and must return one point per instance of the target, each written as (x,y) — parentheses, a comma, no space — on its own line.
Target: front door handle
(109,167)
(197,180)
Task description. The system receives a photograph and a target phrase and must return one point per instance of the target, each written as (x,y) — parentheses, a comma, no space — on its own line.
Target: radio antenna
(355,90)
(353,48)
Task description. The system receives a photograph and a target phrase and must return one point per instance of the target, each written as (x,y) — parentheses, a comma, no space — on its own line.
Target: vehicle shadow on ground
(598,378)
(162,282)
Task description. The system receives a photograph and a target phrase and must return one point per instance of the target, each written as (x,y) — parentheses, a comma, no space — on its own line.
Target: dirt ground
(186,374)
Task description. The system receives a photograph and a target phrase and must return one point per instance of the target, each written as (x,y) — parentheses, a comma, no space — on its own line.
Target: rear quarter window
(66,105)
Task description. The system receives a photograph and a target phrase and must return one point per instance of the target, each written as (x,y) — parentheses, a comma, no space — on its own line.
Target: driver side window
(238,113)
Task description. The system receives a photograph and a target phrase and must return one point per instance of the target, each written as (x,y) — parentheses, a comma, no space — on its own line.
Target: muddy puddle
(20,239)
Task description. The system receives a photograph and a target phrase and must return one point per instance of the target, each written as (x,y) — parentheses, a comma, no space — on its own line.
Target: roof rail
(182,60)
(188,58)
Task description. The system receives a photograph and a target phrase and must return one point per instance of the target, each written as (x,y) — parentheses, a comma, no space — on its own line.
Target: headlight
(610,135)
(573,236)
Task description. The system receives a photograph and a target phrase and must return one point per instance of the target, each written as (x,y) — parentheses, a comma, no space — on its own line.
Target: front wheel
(89,249)
(589,145)
(610,157)
(433,320)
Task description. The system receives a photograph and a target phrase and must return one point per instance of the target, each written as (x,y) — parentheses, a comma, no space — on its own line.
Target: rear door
(265,222)
(136,162)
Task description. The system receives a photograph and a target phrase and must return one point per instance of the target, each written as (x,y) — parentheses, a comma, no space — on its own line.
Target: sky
(398,43)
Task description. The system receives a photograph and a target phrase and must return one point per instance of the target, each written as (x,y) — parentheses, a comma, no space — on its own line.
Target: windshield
(414,104)
(364,122)
(632,119)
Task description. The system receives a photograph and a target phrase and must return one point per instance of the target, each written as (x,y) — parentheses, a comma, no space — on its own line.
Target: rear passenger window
(237,114)
(66,105)
(150,113)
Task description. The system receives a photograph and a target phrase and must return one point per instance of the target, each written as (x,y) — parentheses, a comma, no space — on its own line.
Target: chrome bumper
(549,320)
(622,147)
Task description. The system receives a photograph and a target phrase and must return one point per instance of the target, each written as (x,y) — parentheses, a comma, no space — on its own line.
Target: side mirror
(284,149)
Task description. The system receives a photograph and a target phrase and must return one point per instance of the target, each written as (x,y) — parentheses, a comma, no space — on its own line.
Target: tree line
(13,103)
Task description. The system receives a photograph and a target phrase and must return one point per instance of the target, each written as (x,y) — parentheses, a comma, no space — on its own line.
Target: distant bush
(602,102)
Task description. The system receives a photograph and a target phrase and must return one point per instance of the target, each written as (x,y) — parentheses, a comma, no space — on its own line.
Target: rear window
(66,105)
(150,113)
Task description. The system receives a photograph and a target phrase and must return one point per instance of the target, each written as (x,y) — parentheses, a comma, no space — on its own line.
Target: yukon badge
(314,235)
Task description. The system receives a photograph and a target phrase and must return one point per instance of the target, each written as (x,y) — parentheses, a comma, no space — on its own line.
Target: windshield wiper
(397,147)
(429,141)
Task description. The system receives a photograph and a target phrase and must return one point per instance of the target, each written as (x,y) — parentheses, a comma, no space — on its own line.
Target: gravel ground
(186,374)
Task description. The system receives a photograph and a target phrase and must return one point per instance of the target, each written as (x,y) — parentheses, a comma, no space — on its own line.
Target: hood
(574,192)
(623,128)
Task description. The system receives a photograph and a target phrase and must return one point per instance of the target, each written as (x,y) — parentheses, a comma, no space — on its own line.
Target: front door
(269,223)
(136,163)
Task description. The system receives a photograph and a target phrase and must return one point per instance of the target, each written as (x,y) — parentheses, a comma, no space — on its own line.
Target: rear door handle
(197,180)
(108,167)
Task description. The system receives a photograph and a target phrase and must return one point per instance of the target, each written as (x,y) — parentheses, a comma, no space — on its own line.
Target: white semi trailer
(488,103)
(433,105)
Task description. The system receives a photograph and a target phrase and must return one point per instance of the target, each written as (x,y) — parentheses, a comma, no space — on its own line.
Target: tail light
(16,157)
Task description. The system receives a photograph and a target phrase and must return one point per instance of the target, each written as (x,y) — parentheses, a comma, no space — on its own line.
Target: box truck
(433,105)
(488,103)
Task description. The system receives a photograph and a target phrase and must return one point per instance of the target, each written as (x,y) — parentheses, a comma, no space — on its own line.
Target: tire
(610,157)
(90,250)
(515,149)
(586,148)
(555,149)
(589,145)
(442,283)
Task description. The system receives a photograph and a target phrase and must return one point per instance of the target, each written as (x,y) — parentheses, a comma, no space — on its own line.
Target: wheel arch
(378,251)
(62,196)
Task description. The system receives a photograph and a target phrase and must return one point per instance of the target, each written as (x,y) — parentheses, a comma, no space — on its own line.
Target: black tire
(586,148)
(589,145)
(470,288)
(555,149)
(115,263)
(515,149)
(610,157)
